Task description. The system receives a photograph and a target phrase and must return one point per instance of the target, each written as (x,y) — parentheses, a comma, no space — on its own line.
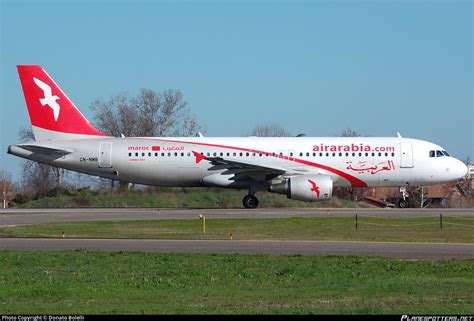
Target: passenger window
(129,154)
(156,154)
(149,154)
(143,154)
(136,154)
(301,154)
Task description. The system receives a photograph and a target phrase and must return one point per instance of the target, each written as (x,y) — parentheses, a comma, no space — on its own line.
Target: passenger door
(105,155)
(406,154)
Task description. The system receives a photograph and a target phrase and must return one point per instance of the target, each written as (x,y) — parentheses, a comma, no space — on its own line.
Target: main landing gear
(403,202)
(250,201)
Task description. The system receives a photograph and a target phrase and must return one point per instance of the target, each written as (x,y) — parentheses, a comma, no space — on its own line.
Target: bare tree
(269,130)
(39,178)
(6,188)
(348,132)
(148,114)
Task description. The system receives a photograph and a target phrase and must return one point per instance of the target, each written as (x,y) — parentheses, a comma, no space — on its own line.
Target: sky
(313,67)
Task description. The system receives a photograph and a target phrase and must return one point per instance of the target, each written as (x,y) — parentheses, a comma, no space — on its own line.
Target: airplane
(302,168)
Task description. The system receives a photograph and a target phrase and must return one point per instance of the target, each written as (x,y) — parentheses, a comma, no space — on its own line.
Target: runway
(12,217)
(431,251)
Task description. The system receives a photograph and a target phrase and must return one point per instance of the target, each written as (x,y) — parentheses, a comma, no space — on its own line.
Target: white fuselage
(358,161)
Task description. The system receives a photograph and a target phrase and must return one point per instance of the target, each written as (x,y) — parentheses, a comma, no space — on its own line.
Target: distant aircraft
(302,168)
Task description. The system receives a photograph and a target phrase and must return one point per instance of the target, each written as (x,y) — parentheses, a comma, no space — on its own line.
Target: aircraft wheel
(250,201)
(403,203)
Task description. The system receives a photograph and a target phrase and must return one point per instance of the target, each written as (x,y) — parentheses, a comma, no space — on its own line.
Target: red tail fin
(52,114)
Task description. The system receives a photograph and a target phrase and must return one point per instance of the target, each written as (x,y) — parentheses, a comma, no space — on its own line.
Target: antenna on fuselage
(399,136)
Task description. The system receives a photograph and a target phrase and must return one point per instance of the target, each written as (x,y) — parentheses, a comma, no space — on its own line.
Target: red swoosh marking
(355,182)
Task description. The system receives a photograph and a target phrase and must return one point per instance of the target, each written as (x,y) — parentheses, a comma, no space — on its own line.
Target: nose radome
(461,169)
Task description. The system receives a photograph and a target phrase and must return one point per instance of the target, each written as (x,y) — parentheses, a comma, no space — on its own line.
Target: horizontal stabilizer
(44,150)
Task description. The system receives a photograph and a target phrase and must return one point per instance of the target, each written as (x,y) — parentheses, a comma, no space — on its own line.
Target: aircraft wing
(244,165)
(243,169)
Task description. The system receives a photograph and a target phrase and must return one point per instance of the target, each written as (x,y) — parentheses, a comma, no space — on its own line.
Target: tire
(250,201)
(403,203)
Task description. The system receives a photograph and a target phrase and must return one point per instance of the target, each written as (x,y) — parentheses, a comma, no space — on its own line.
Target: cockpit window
(438,153)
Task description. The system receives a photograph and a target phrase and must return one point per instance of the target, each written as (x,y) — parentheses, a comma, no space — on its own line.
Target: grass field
(424,229)
(167,197)
(118,282)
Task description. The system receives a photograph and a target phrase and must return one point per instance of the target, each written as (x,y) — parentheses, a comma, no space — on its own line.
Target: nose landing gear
(403,202)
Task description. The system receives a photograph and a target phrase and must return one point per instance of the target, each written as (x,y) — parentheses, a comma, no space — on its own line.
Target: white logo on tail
(48,99)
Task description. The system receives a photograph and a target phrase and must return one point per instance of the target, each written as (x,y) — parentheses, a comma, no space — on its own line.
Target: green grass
(425,229)
(172,198)
(82,282)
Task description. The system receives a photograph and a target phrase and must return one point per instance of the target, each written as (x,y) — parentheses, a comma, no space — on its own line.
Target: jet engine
(309,188)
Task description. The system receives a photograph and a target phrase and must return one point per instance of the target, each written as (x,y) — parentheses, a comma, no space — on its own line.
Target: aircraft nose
(460,169)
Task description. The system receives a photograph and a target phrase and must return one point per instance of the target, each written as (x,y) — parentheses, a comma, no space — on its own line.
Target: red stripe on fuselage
(355,182)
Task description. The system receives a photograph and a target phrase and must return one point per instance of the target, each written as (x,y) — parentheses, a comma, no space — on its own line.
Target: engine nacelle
(308,188)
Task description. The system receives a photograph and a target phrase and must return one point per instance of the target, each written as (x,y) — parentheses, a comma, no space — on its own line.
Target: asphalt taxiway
(432,251)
